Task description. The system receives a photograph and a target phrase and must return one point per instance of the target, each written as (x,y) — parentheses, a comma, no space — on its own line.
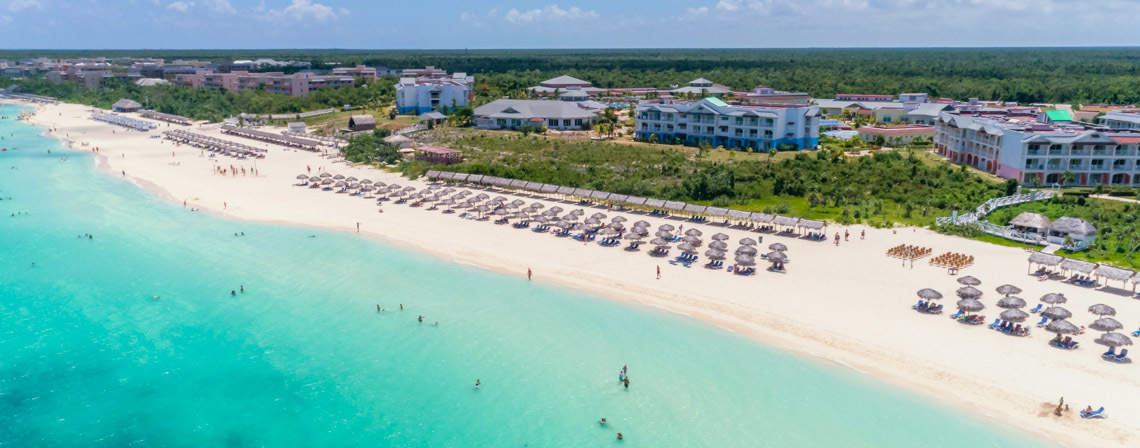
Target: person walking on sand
(863,234)
(846,235)
(529,274)
(837,238)
(358,227)
(659,272)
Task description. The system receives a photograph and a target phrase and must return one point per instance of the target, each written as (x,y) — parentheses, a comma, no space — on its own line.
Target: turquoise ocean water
(302,358)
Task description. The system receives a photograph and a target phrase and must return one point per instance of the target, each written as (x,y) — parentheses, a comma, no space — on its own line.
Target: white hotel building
(1037,153)
(717,123)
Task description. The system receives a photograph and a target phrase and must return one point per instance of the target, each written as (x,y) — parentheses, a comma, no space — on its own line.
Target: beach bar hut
(1080,231)
(126,105)
(438,154)
(1031,226)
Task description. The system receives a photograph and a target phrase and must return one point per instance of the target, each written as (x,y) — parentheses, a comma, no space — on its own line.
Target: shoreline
(826,340)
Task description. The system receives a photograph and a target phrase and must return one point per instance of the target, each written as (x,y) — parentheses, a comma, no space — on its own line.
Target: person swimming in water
(233,293)
(421,318)
(477,383)
(619,436)
(378,308)
(603,421)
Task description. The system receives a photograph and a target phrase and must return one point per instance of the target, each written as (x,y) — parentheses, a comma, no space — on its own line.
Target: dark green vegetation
(1096,75)
(371,148)
(896,186)
(1117,223)
(209,104)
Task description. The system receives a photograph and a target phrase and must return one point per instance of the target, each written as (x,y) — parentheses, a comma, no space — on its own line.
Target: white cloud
(220,6)
(305,11)
(729,5)
(549,13)
(180,6)
(20,5)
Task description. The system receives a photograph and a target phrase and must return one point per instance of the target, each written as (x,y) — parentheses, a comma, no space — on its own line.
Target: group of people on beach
(234,171)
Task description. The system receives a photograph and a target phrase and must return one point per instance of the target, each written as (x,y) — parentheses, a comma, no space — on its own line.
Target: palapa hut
(438,154)
(357,123)
(1033,225)
(1080,231)
(1081,266)
(1044,260)
(1106,273)
(126,105)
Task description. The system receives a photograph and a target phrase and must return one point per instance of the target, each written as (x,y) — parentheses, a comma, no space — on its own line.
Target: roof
(1074,226)
(1045,259)
(1031,219)
(527,109)
(433,115)
(1059,115)
(1113,273)
(362,119)
(565,80)
(437,150)
(126,104)
(897,130)
(717,101)
(928,109)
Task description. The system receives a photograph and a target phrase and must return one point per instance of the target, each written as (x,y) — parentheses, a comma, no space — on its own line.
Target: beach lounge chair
(958,314)
(1099,413)
(1037,309)
(1123,356)
(1110,354)
(1044,320)
(996,325)
(918,306)
(1136,333)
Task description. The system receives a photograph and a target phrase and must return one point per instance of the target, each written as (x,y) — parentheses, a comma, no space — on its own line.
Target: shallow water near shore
(132,338)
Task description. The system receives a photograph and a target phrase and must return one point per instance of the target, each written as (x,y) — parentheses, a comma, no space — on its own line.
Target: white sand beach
(848,305)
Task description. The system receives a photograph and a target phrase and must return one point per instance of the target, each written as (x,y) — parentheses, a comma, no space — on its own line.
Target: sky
(474,24)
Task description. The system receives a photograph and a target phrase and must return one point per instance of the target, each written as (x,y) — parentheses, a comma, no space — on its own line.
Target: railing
(989,206)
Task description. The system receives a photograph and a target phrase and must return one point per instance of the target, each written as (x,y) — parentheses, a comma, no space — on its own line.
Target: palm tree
(1068,178)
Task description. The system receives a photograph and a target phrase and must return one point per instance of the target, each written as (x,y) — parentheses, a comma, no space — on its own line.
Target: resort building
(516,114)
(767,95)
(1025,148)
(1119,119)
(878,111)
(561,84)
(358,71)
(717,123)
(895,135)
(864,97)
(430,89)
(1080,231)
(913,97)
(297,84)
(702,87)
(1035,227)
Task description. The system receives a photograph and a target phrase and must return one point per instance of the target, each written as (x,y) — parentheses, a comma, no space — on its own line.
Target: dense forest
(1078,75)
(210,104)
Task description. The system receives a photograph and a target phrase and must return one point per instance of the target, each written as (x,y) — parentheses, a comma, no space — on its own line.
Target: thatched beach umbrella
(690,239)
(776,257)
(1062,326)
(693,232)
(747,250)
(352,179)
(969,291)
(720,237)
(970,305)
(302,177)
(659,242)
(1106,324)
(340,184)
(641,223)
(1057,313)
(714,254)
(1054,298)
(1008,290)
(687,248)
(1113,340)
(743,241)
(598,216)
(326,181)
(366,181)
(929,294)
(1011,302)
(619,219)
(778,247)
(339,177)
(1101,309)
(719,245)
(969,280)
(326,175)
(1014,315)
(745,260)
(667,227)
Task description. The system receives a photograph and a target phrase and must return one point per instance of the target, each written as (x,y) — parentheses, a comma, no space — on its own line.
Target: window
(578,122)
(566,122)
(554,123)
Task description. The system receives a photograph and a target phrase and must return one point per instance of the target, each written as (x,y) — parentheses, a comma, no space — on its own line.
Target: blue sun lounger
(1099,413)
(1044,320)
(1037,309)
